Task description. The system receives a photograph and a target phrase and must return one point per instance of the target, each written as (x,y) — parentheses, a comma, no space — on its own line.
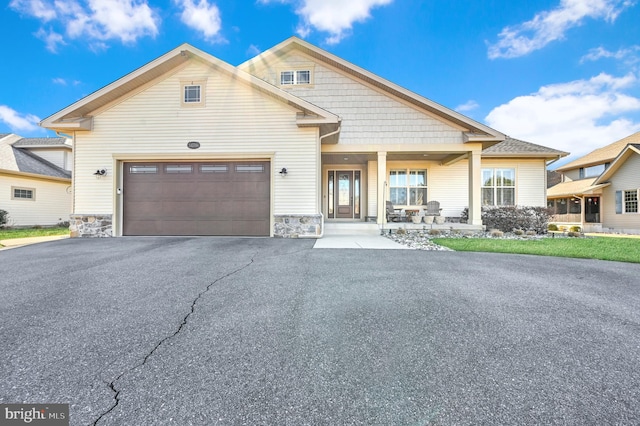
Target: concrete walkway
(19,242)
(356,236)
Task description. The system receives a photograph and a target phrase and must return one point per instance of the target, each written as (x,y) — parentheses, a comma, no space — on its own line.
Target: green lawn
(604,248)
(6,234)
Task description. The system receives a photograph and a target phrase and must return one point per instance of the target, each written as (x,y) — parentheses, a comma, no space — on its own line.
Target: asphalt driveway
(205,331)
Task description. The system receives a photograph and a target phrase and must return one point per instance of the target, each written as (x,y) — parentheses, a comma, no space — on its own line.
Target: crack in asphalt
(112,384)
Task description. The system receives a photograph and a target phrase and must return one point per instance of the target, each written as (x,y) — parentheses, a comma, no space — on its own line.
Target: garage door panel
(231,198)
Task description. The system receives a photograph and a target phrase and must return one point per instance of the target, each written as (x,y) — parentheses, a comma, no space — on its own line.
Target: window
(295,77)
(593,171)
(249,168)
(631,201)
(408,187)
(23,193)
(178,168)
(498,187)
(191,94)
(143,169)
(214,168)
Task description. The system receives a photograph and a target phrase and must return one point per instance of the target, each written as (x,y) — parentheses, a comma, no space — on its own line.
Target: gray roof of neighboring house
(4,135)
(516,146)
(31,163)
(33,142)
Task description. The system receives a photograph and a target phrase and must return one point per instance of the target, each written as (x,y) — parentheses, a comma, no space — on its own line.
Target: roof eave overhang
(547,156)
(615,165)
(35,176)
(595,189)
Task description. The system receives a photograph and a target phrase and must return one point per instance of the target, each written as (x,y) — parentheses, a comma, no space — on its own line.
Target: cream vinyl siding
(530,179)
(51,206)
(450,184)
(626,178)
(236,122)
(368,116)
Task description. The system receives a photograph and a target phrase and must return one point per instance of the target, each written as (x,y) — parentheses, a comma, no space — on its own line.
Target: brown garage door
(177,198)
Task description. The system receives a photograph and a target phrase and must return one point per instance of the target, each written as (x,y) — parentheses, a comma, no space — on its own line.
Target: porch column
(475,195)
(382,180)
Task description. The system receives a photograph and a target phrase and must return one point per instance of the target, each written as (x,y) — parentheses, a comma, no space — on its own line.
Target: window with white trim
(18,193)
(192,93)
(498,187)
(631,201)
(295,77)
(408,187)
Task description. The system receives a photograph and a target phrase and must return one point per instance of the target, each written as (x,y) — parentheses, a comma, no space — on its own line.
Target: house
(35,180)
(276,146)
(599,191)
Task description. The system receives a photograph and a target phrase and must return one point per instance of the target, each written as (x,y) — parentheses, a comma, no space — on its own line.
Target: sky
(560,73)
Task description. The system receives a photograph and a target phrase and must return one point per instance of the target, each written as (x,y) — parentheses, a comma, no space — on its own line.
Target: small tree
(3,217)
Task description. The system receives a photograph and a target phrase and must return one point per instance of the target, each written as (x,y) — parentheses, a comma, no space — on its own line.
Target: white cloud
(202,17)
(51,39)
(253,50)
(94,20)
(576,117)
(467,106)
(60,81)
(335,17)
(548,26)
(628,55)
(18,122)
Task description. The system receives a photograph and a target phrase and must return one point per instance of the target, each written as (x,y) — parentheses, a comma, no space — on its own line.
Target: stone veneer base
(90,225)
(297,226)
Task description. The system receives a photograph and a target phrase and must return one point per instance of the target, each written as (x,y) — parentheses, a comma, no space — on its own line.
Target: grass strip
(616,249)
(7,234)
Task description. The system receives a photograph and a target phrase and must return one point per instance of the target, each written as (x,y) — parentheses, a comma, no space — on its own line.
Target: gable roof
(627,152)
(511,147)
(78,115)
(476,132)
(22,162)
(606,154)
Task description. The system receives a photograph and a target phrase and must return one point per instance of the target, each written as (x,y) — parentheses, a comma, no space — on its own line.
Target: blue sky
(560,73)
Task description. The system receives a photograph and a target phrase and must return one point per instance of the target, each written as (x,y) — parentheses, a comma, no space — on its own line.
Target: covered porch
(576,203)
(357,182)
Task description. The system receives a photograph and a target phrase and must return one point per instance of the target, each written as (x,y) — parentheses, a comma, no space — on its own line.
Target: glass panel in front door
(345,195)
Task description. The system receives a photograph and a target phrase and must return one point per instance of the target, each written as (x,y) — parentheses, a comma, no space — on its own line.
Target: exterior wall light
(283,172)
(100,173)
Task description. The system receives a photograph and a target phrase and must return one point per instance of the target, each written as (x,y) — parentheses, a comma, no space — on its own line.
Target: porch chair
(393,215)
(433,208)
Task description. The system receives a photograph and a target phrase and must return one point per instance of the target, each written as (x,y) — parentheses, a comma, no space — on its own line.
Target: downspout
(335,132)
(73,172)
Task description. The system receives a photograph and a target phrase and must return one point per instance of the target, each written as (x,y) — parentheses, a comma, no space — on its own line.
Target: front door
(344,195)
(592,210)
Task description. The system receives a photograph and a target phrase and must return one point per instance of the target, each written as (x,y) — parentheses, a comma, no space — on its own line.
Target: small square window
(192,94)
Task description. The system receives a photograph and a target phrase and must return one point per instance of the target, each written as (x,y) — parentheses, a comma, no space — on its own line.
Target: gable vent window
(295,77)
(191,94)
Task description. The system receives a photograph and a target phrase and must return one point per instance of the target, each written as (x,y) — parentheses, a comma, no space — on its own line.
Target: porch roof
(576,187)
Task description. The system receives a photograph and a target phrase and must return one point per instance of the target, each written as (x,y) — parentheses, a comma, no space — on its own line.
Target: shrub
(507,218)
(532,233)
(434,232)
(575,229)
(401,231)
(552,227)
(574,234)
(3,217)
(496,233)
(518,232)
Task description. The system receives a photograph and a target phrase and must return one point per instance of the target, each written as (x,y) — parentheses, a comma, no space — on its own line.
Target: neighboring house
(35,180)
(277,146)
(600,191)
